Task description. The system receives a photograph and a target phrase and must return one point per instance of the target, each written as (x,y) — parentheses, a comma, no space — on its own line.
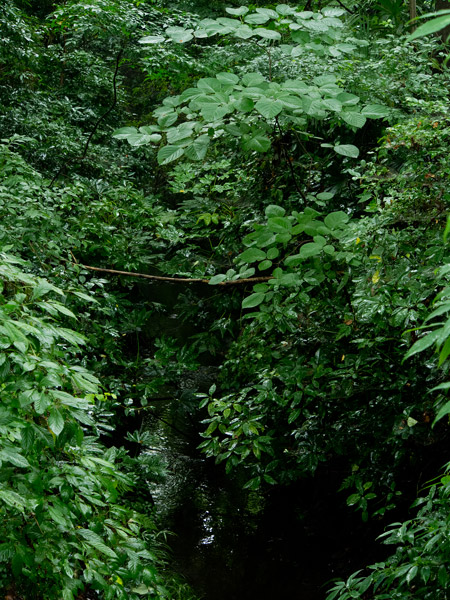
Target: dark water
(231,544)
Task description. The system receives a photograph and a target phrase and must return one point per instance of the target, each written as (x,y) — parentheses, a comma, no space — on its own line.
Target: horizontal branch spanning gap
(173,279)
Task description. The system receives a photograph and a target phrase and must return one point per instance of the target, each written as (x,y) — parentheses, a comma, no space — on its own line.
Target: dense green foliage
(292,160)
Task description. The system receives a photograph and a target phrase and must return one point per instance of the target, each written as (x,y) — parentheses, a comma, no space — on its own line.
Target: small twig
(172,279)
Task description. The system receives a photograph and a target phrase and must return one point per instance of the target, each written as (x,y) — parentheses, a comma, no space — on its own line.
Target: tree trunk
(443,5)
(412,13)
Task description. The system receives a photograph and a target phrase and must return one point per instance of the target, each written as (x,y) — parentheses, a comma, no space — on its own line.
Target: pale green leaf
(56,421)
(375,111)
(217,279)
(268,108)
(227,78)
(273,210)
(252,255)
(256,19)
(124,132)
(347,150)
(238,12)
(267,34)
(354,119)
(10,454)
(197,150)
(310,249)
(253,300)
(168,154)
(430,27)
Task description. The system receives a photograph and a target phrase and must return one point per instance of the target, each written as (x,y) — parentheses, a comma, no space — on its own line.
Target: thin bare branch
(172,279)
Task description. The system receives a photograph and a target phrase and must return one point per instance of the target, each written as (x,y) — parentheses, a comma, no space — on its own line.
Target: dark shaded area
(234,544)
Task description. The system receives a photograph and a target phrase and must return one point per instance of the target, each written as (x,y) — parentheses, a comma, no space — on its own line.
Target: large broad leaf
(181,132)
(268,12)
(238,12)
(141,139)
(227,78)
(216,279)
(168,154)
(294,260)
(269,108)
(252,255)
(219,28)
(336,220)
(197,150)
(244,104)
(268,34)
(180,35)
(56,421)
(347,150)
(310,249)
(279,224)
(375,111)
(257,142)
(229,22)
(324,79)
(333,12)
(209,85)
(252,79)
(201,33)
(253,300)
(11,455)
(124,132)
(168,120)
(289,279)
(319,26)
(244,32)
(347,99)
(430,27)
(273,210)
(332,104)
(256,19)
(284,9)
(215,112)
(295,85)
(354,119)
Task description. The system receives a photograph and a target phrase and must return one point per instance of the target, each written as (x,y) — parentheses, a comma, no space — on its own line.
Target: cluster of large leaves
(248,109)
(62,525)
(321,32)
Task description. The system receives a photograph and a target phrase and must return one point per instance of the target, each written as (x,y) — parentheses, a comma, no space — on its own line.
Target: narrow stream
(238,545)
